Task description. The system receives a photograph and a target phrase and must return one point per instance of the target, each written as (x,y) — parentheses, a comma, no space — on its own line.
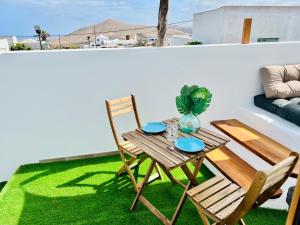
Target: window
(267,39)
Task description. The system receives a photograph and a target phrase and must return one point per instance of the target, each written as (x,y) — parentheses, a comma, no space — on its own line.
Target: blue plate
(154,128)
(189,144)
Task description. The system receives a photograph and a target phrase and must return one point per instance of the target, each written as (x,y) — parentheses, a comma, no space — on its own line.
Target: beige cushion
(281,81)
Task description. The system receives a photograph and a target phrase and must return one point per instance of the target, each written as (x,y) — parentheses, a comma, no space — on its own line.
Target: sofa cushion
(287,109)
(281,81)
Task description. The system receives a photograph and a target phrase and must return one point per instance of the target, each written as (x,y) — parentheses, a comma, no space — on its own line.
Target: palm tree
(44,35)
(162,22)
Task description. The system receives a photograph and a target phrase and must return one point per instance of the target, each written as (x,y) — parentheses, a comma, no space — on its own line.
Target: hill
(111,28)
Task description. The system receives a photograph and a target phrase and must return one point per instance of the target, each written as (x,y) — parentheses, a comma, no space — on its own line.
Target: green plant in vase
(193,101)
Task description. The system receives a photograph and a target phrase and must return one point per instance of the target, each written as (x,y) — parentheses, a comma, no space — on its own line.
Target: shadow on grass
(109,205)
(108,198)
(2,184)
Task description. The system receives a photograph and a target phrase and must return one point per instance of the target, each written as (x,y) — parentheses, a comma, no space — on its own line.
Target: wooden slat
(219,136)
(121,106)
(229,209)
(149,151)
(206,140)
(205,185)
(130,148)
(271,183)
(122,111)
(210,139)
(279,166)
(219,196)
(226,201)
(156,147)
(211,190)
(232,166)
(181,134)
(258,143)
(281,172)
(120,100)
(160,141)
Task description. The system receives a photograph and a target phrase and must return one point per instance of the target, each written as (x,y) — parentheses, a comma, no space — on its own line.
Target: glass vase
(189,123)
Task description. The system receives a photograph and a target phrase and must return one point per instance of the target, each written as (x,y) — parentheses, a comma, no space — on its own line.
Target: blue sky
(17,17)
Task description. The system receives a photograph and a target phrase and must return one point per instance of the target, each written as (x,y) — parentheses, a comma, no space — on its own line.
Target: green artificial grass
(87,192)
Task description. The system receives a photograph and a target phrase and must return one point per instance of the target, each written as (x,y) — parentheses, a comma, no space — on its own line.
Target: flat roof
(250,6)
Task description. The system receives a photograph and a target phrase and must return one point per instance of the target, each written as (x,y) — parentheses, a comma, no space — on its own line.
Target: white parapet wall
(52,102)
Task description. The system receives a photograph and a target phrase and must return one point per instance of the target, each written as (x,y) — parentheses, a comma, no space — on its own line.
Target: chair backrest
(264,186)
(118,107)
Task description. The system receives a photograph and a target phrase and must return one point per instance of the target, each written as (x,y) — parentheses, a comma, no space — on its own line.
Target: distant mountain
(113,29)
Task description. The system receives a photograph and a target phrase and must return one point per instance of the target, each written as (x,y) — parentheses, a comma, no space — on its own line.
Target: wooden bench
(234,168)
(261,145)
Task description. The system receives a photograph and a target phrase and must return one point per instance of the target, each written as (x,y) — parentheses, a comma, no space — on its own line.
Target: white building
(10,39)
(101,40)
(225,24)
(179,40)
(6,42)
(104,42)
(4,46)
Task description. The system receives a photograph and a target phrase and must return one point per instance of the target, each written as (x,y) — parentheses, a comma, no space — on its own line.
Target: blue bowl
(189,144)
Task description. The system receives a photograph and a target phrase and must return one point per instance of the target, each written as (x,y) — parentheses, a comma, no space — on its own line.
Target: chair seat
(130,149)
(217,197)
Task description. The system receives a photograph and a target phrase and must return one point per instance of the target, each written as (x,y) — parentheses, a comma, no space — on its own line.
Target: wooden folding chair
(226,203)
(118,107)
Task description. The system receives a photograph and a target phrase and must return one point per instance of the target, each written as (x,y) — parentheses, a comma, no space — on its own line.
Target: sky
(17,17)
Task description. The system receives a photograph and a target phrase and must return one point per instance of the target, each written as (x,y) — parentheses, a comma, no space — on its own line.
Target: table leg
(192,182)
(145,181)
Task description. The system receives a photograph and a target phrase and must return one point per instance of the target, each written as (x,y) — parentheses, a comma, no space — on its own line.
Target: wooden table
(159,149)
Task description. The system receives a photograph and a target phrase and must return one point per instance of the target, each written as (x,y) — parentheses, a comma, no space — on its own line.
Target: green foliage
(194,43)
(193,100)
(19,47)
(71,47)
(44,35)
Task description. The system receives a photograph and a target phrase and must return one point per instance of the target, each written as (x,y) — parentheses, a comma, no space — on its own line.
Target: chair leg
(123,169)
(203,217)
(242,222)
(127,167)
(157,168)
(132,178)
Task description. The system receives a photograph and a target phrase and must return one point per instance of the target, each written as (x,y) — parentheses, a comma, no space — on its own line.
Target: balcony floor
(85,192)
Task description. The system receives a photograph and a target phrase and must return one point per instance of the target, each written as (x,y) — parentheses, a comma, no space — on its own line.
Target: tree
(44,35)
(162,22)
(19,47)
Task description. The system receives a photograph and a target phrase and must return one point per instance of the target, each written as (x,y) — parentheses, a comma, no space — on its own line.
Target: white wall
(208,26)
(179,40)
(52,102)
(4,46)
(268,22)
